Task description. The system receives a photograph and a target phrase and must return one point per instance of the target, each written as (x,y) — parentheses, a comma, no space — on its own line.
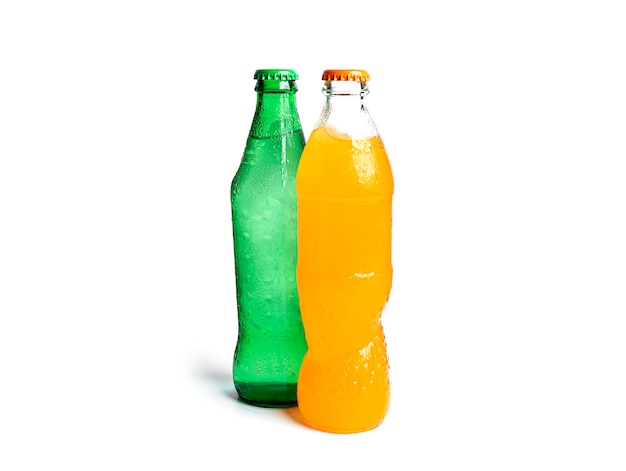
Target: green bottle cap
(275,74)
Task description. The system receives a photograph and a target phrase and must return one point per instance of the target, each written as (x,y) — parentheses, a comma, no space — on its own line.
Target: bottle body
(344,273)
(270,343)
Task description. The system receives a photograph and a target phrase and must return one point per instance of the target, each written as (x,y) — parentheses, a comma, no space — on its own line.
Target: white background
(122,124)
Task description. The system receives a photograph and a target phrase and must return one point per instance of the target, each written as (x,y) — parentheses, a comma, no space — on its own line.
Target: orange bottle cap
(354,75)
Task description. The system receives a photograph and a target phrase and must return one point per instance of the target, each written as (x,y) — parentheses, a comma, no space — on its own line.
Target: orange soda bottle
(344,186)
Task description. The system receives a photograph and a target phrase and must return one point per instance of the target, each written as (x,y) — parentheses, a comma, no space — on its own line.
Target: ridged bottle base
(274,395)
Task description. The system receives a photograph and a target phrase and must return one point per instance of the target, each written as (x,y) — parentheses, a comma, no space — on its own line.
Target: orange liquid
(344,276)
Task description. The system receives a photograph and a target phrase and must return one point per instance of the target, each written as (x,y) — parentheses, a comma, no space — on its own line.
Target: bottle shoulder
(277,126)
(266,165)
(274,115)
(351,119)
(334,164)
(283,149)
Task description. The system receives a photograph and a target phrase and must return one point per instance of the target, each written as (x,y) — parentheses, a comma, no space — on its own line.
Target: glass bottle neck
(345,109)
(276,111)
(345,88)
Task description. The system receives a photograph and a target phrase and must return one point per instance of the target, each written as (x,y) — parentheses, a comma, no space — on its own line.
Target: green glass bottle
(271,343)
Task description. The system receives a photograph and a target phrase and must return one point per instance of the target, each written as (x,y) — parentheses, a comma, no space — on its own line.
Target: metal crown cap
(275,74)
(353,75)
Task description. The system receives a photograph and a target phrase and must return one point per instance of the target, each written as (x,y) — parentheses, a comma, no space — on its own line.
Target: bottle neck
(345,88)
(276,111)
(345,109)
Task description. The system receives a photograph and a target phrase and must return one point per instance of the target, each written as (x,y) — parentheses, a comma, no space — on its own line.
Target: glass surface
(345,187)
(271,342)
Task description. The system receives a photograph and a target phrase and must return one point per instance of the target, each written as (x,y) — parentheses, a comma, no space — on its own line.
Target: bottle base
(268,395)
